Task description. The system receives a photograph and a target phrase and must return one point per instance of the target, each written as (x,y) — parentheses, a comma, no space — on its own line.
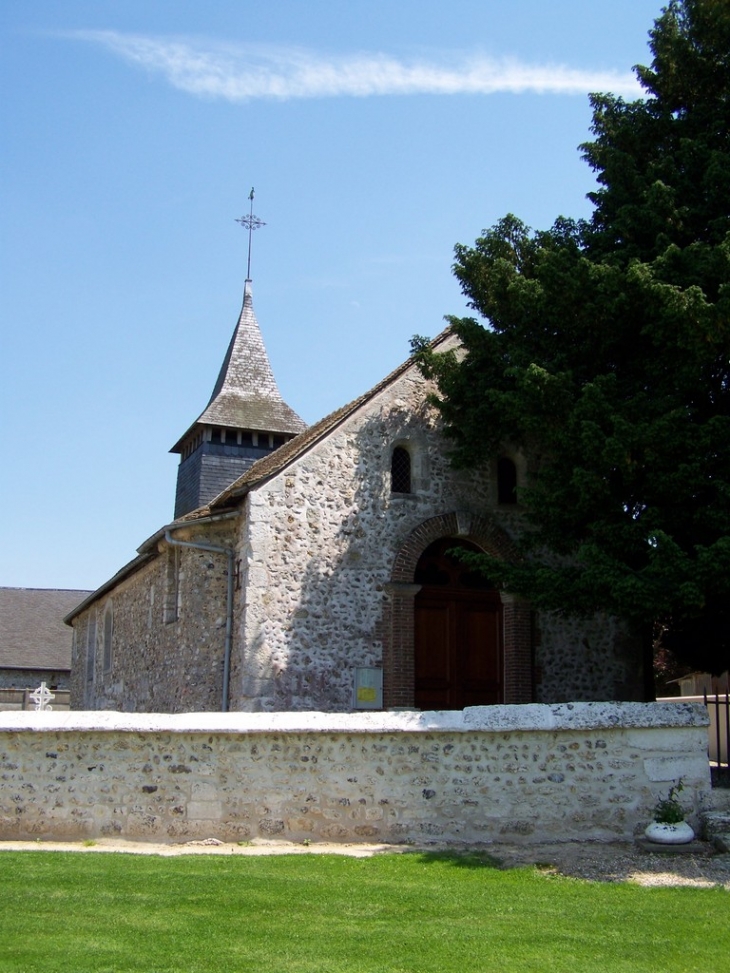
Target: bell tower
(246,417)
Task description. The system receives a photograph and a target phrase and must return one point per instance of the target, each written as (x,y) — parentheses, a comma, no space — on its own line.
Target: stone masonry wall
(586,660)
(32,678)
(517,773)
(168,633)
(318,547)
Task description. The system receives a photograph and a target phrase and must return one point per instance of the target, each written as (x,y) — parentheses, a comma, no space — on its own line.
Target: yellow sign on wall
(368,688)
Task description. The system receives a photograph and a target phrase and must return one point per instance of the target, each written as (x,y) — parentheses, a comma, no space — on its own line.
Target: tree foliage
(606,357)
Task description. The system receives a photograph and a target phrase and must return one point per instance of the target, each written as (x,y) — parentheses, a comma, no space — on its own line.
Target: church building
(310,568)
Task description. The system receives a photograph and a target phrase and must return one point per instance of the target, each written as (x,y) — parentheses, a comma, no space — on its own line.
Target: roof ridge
(272,464)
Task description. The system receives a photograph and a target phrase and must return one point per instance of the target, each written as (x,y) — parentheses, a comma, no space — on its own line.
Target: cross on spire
(250,223)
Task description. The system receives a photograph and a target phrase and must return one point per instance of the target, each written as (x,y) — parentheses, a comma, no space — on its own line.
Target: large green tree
(605,356)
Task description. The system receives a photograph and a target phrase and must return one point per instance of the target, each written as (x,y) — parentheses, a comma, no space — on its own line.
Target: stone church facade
(310,568)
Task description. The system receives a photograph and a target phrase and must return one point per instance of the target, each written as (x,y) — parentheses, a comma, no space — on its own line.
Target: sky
(377,135)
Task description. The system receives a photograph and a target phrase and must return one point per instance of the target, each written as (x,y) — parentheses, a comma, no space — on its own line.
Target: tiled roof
(32,632)
(272,464)
(246,395)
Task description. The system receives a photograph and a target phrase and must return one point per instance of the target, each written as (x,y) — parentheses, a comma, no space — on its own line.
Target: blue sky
(377,135)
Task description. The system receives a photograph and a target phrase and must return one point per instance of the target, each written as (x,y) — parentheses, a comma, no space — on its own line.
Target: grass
(410,913)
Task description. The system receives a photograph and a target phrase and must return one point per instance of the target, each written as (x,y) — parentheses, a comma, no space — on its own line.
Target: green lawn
(112,913)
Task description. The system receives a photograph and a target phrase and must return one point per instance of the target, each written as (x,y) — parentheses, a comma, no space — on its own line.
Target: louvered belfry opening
(245,419)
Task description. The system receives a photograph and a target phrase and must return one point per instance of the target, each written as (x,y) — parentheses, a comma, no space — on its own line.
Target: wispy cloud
(243,73)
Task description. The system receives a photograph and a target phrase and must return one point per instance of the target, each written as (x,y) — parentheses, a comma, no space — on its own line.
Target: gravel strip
(590,861)
(622,862)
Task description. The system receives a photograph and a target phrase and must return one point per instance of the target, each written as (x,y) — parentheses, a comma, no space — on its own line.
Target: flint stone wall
(318,586)
(168,637)
(319,544)
(574,771)
(31,678)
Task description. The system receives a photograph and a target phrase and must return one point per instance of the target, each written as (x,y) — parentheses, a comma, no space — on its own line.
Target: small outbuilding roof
(32,632)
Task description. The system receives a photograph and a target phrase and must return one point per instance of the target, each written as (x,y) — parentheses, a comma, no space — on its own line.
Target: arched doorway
(458,632)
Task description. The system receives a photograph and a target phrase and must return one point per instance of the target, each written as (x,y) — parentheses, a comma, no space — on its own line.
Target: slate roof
(32,632)
(246,395)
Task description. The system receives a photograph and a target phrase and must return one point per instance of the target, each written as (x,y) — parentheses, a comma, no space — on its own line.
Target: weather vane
(250,223)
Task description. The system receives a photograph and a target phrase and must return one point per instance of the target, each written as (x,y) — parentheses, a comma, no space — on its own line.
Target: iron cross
(250,223)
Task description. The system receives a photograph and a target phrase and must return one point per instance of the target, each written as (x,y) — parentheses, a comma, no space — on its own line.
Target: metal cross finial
(250,223)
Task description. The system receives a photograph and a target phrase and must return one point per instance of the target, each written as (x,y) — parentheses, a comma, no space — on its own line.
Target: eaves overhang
(147,551)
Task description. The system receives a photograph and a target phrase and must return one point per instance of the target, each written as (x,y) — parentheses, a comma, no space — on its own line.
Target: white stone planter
(670,834)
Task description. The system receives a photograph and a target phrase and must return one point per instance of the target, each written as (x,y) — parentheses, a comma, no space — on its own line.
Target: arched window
(400,471)
(506,480)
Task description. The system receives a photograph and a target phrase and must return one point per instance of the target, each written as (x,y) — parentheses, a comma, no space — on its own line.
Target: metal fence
(718,707)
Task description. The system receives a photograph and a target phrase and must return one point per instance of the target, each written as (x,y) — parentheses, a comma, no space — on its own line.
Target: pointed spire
(246,395)
(246,417)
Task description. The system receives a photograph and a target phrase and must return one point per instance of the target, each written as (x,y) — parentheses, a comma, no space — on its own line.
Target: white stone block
(672,768)
(204,811)
(671,740)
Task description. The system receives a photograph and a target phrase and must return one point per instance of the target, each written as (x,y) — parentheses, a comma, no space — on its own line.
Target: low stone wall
(585,771)
(717,731)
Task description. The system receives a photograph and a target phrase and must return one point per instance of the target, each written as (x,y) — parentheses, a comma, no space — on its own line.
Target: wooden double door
(458,632)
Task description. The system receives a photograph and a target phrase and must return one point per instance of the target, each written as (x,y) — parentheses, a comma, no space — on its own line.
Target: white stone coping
(493,719)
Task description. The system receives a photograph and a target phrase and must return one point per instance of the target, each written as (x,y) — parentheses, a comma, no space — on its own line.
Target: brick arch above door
(398,647)
(481,530)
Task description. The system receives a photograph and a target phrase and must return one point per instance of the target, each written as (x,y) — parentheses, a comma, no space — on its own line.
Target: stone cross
(42,697)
